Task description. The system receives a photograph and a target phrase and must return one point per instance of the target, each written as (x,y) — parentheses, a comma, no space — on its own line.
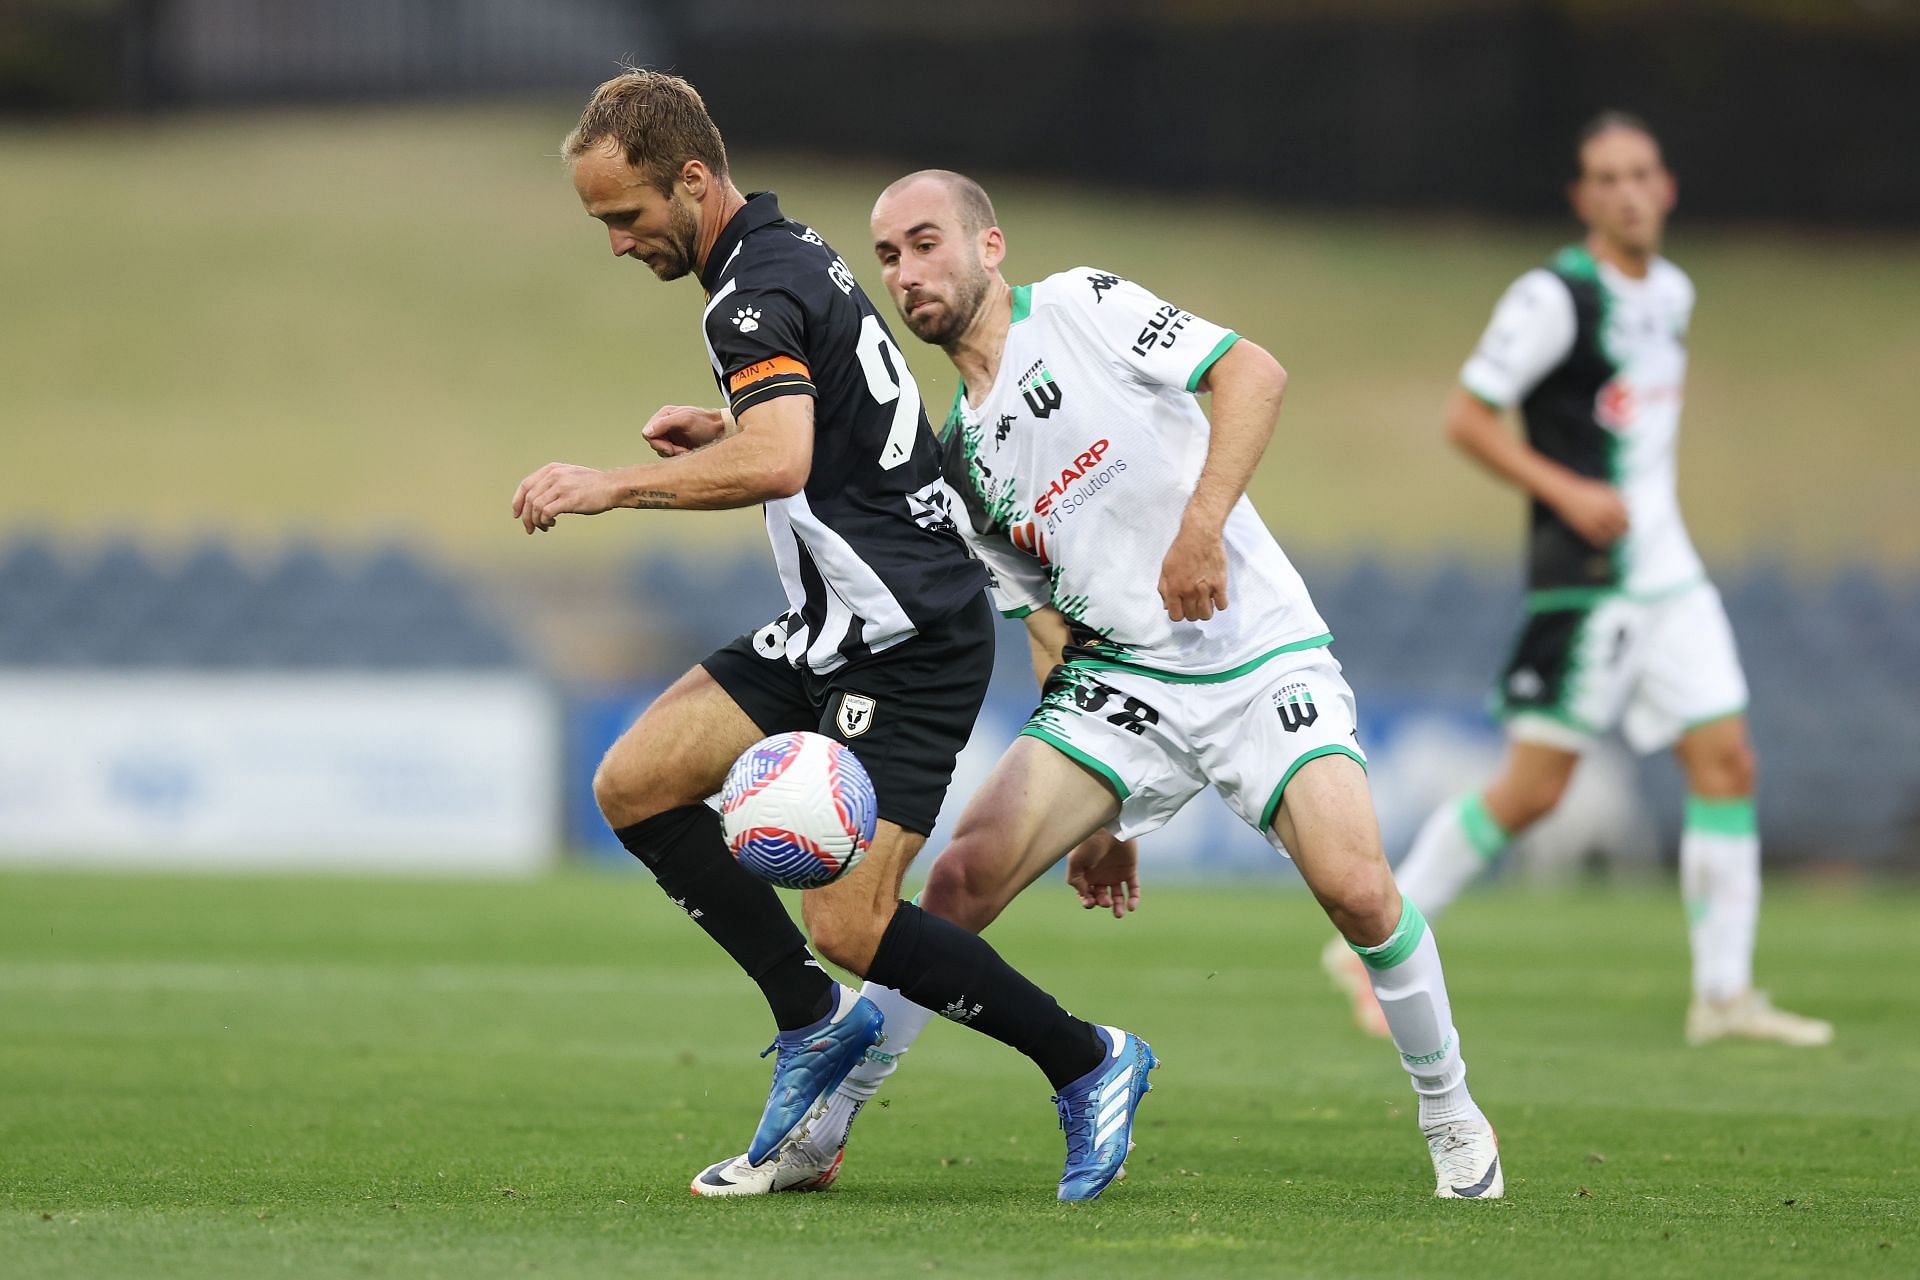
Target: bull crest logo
(856,714)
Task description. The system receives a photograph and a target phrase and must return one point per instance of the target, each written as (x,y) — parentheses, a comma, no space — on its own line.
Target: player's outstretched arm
(1247,385)
(769,457)
(1593,507)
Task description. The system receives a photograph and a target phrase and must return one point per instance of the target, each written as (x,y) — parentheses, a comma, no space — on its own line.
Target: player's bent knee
(848,939)
(623,796)
(963,891)
(1365,910)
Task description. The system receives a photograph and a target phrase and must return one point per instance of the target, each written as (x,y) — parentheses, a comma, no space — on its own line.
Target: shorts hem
(1080,757)
(1688,726)
(1549,728)
(1332,749)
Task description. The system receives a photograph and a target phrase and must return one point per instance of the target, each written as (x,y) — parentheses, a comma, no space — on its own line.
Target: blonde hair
(657,120)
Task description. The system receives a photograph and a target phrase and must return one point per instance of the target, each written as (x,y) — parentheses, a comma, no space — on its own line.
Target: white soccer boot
(1751,1016)
(792,1168)
(1348,973)
(1466,1160)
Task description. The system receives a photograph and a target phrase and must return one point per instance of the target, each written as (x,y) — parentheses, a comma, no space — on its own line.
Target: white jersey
(1596,361)
(1076,467)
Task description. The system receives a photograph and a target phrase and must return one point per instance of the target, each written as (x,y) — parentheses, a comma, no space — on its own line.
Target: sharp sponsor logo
(1082,464)
(1029,537)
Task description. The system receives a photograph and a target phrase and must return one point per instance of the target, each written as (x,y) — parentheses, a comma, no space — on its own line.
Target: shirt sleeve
(1152,341)
(1531,332)
(758,338)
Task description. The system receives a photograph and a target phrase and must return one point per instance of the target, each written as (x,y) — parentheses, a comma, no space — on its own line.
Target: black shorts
(906,711)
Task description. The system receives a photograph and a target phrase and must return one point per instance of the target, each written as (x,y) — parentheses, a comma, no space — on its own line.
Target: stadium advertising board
(455,774)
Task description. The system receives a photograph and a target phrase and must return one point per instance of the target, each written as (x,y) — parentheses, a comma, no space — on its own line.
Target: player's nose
(621,242)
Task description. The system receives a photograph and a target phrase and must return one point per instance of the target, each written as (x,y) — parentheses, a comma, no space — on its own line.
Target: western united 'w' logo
(1039,390)
(1296,709)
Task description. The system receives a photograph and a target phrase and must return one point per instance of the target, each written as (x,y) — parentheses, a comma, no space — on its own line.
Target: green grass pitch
(214,1077)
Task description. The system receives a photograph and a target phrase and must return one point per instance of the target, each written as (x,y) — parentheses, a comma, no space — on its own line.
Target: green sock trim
(1721,817)
(1697,909)
(1400,943)
(1486,835)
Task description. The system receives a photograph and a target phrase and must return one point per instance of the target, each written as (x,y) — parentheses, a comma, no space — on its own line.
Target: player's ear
(694,179)
(993,248)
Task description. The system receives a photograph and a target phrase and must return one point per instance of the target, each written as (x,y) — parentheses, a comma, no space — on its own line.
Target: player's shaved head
(970,203)
(940,248)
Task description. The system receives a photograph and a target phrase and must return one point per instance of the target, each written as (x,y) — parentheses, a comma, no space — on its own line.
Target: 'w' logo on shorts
(1296,712)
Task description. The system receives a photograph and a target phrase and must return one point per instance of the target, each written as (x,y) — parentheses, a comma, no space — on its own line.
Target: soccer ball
(798,810)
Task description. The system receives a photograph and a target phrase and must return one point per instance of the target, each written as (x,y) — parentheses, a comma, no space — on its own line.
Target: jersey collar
(762,209)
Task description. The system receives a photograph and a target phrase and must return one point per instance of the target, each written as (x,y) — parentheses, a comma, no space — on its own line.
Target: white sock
(1457,842)
(1720,880)
(1406,977)
(905,1020)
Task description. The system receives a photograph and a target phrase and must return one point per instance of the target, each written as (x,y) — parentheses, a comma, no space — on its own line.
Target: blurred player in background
(1623,628)
(1176,646)
(886,642)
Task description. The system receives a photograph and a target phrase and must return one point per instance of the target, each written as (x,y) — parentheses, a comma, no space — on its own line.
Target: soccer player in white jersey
(1623,628)
(1176,646)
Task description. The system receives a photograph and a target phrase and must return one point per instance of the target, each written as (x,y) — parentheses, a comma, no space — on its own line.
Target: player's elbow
(1253,367)
(1468,421)
(785,476)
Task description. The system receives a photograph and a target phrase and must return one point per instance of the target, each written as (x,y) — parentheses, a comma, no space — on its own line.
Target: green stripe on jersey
(1022,303)
(1219,349)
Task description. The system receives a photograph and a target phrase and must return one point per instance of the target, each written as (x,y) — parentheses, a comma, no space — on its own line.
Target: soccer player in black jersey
(885,640)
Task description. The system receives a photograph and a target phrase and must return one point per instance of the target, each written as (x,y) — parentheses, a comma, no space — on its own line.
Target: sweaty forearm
(738,471)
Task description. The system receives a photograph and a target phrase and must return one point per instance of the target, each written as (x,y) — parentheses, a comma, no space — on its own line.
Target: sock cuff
(1730,817)
(654,840)
(1486,835)
(1400,943)
(894,956)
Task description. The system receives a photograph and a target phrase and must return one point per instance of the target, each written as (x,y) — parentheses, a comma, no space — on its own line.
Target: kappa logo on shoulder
(856,714)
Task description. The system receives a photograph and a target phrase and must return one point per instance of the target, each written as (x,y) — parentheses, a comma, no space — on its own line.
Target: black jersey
(868,551)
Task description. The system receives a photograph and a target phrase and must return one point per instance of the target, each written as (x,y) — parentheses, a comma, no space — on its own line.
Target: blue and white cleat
(811,1064)
(1096,1111)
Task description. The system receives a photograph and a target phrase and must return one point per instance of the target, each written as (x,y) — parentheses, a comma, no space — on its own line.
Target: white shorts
(1159,742)
(1655,669)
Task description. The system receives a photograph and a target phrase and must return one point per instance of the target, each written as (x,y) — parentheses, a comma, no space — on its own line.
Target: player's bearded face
(674,257)
(949,308)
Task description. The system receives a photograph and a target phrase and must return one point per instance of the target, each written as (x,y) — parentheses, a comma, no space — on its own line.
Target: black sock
(688,857)
(940,966)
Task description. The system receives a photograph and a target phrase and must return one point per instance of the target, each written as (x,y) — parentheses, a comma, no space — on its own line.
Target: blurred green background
(370,322)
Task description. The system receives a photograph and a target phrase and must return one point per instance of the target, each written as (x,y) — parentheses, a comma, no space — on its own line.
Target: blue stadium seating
(309,609)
